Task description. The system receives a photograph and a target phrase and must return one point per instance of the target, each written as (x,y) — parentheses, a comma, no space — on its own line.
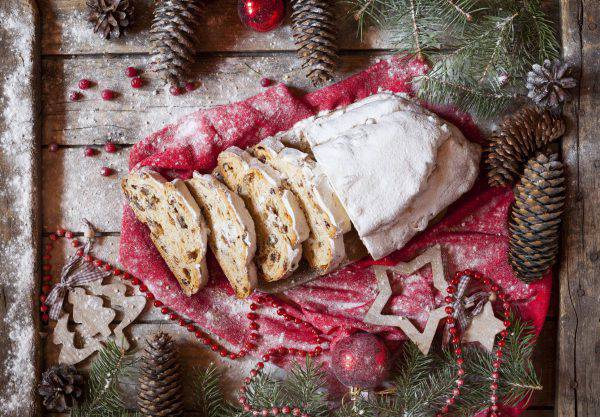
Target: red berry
(89,151)
(265,82)
(107,94)
(110,147)
(190,86)
(137,82)
(131,72)
(84,84)
(75,95)
(45,317)
(106,171)
(174,90)
(53,147)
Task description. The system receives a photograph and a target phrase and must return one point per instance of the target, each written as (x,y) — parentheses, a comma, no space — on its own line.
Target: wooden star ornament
(484,327)
(423,339)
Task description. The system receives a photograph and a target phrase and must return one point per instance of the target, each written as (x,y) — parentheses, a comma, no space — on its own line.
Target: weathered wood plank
(579,329)
(74,189)
(19,202)
(194,354)
(66,31)
(137,113)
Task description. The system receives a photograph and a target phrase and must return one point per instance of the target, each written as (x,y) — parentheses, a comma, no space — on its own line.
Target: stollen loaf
(393,164)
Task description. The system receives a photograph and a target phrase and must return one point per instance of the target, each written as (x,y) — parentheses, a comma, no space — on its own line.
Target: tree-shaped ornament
(88,310)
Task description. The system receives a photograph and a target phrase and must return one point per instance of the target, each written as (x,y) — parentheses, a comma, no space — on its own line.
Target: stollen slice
(177,227)
(232,237)
(326,218)
(280,223)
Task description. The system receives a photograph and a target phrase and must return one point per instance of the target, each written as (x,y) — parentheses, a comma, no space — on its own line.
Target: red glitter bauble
(360,360)
(261,15)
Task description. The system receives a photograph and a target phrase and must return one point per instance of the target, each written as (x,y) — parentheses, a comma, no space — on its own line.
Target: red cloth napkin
(472,234)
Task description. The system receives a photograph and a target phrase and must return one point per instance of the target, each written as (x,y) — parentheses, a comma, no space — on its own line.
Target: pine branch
(306,386)
(209,395)
(107,371)
(479,50)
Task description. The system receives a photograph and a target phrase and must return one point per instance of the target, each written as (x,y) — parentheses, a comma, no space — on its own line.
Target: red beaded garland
(455,340)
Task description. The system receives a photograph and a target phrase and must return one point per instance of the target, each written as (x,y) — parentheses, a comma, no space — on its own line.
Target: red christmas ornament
(261,15)
(360,360)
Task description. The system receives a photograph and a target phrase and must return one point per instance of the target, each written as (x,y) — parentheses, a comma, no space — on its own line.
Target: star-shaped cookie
(484,327)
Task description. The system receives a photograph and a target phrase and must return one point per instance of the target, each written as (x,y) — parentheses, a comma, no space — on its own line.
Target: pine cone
(160,379)
(110,17)
(315,35)
(535,218)
(60,388)
(548,83)
(520,136)
(173,39)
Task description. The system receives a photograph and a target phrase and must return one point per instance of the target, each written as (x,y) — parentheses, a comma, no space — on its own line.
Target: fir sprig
(478,51)
(209,396)
(419,388)
(108,370)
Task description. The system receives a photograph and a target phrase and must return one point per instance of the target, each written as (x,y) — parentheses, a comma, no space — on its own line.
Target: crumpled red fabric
(472,233)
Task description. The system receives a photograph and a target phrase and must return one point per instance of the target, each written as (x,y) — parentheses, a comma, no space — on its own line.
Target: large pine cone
(548,83)
(61,387)
(315,35)
(173,39)
(161,392)
(535,217)
(110,17)
(521,136)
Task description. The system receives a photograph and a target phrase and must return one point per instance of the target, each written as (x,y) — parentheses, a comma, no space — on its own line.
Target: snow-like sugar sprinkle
(17,251)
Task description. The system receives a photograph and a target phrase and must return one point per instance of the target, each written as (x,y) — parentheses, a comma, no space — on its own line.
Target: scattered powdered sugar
(17,252)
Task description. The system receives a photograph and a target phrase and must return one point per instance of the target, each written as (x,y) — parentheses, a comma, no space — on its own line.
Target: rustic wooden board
(231,64)
(19,197)
(579,327)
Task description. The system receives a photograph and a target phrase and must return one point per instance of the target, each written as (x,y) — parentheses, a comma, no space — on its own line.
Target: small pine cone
(520,136)
(160,392)
(315,34)
(61,387)
(535,218)
(173,40)
(548,83)
(110,17)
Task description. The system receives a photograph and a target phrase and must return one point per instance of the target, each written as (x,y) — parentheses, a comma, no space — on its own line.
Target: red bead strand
(496,293)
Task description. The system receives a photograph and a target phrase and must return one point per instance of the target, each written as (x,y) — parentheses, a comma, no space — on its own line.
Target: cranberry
(137,82)
(106,171)
(107,94)
(190,86)
(75,95)
(174,90)
(265,82)
(110,147)
(84,84)
(53,147)
(89,151)
(131,72)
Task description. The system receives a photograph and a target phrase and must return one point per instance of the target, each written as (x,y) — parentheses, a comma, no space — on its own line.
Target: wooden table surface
(231,63)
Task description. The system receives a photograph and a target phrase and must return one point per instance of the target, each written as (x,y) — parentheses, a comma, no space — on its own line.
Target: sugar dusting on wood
(18,253)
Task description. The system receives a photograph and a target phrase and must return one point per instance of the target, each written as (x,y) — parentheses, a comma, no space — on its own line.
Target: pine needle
(480,51)
(208,393)
(102,395)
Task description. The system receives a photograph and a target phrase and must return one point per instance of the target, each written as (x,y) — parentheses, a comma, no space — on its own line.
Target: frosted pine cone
(110,17)
(548,83)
